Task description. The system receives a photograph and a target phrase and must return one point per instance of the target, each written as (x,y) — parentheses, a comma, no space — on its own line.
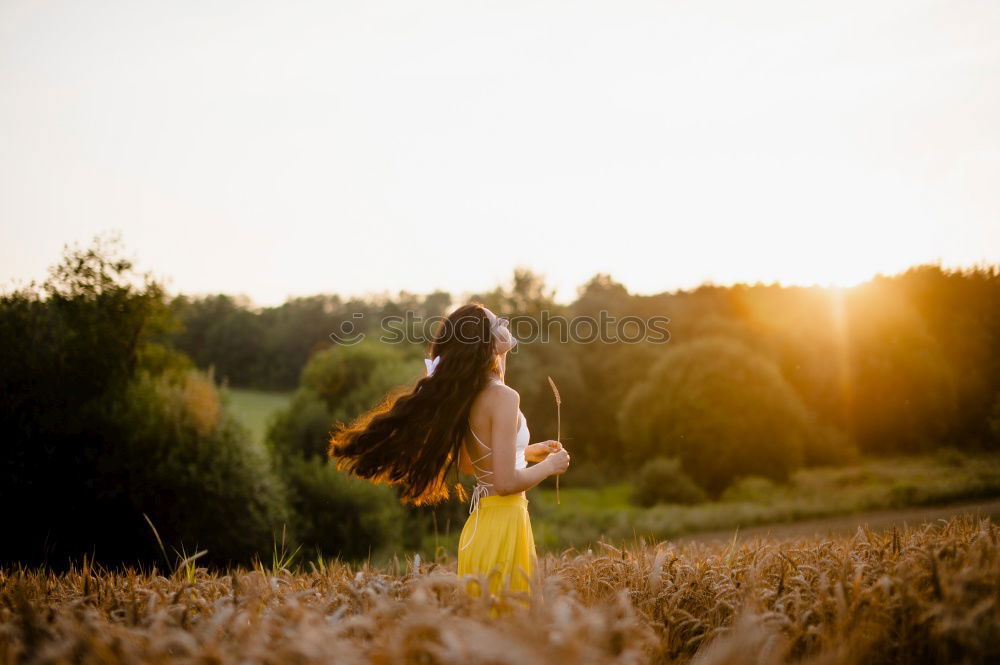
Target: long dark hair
(414,439)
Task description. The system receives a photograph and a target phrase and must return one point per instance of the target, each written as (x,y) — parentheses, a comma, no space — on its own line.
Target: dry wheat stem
(555,391)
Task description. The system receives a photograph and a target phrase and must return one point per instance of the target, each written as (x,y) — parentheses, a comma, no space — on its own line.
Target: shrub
(339,515)
(723,409)
(338,384)
(662,480)
(302,428)
(752,489)
(193,469)
(950,456)
(904,493)
(351,379)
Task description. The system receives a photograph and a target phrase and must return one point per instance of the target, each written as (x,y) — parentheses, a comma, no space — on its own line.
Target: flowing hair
(414,439)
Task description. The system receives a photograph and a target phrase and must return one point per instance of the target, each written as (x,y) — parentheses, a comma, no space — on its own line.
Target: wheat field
(926,594)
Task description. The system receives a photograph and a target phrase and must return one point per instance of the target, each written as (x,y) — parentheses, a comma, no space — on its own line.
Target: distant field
(254,408)
(827,499)
(584,514)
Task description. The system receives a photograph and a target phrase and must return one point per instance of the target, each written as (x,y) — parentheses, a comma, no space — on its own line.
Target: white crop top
(482,487)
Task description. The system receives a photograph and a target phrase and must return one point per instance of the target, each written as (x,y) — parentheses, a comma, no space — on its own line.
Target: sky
(276,149)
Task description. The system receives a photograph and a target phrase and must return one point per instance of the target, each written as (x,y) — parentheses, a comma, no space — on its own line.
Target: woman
(461,416)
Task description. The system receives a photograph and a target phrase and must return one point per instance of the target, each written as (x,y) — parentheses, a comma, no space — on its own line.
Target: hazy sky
(277,148)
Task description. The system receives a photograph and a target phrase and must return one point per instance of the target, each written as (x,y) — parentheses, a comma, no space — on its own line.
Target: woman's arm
(504,409)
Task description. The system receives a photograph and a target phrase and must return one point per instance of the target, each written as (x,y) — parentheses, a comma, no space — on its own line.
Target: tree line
(116,415)
(759,378)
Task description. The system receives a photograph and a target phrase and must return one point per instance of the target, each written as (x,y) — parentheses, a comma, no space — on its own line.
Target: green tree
(339,384)
(723,409)
(104,424)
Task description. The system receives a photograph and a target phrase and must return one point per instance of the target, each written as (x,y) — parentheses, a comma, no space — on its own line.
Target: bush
(904,493)
(352,379)
(723,409)
(751,489)
(302,428)
(338,515)
(949,456)
(338,384)
(193,469)
(662,480)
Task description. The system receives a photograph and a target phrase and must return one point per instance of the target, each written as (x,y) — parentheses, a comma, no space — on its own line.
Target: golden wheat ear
(555,391)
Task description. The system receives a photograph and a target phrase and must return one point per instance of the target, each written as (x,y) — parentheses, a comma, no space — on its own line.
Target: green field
(254,408)
(584,515)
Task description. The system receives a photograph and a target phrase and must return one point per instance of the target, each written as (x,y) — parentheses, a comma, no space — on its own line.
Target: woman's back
(478,443)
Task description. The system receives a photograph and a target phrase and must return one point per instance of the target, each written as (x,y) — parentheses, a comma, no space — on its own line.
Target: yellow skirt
(497,544)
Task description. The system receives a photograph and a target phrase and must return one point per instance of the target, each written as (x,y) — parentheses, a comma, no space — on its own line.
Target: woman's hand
(558,462)
(536,452)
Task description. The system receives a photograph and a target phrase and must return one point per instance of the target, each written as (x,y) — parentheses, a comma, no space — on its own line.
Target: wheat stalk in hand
(555,391)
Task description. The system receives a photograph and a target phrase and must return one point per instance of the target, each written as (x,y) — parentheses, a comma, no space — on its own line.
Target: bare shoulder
(501,400)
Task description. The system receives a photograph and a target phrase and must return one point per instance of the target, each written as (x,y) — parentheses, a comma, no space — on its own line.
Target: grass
(584,514)
(608,497)
(588,515)
(926,594)
(254,408)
